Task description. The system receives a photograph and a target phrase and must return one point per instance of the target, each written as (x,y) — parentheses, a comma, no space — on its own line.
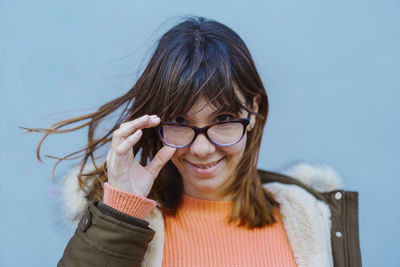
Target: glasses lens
(176,135)
(226,133)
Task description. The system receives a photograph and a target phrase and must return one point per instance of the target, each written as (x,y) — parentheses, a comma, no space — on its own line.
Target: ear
(256,103)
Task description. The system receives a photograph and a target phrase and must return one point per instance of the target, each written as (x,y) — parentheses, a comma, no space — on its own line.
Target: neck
(208,195)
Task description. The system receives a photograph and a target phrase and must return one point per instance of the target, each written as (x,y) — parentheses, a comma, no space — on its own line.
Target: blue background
(331,68)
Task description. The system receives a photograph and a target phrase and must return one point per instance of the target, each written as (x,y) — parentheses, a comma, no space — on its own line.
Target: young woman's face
(205,167)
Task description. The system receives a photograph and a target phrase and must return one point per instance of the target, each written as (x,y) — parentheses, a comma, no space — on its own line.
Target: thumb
(159,160)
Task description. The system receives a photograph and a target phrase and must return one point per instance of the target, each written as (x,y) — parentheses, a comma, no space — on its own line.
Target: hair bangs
(211,78)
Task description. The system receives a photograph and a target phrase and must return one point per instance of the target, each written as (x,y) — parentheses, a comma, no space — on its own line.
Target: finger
(128,128)
(146,121)
(129,142)
(160,159)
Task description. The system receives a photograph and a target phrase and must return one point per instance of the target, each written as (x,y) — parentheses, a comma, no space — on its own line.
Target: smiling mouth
(206,166)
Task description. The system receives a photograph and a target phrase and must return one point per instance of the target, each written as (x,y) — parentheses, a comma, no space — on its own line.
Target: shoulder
(305,193)
(73,200)
(303,196)
(319,181)
(317,214)
(314,178)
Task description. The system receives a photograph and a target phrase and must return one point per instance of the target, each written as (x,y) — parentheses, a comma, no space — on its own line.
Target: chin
(207,188)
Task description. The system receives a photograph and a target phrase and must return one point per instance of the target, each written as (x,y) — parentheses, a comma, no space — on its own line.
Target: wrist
(131,204)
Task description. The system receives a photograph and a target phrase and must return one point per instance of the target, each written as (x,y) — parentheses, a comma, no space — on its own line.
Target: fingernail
(153,117)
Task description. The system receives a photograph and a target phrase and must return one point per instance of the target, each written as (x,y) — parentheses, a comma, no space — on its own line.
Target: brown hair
(196,57)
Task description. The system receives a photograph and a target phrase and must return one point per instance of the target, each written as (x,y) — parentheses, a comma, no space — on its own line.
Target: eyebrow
(225,109)
(214,113)
(233,110)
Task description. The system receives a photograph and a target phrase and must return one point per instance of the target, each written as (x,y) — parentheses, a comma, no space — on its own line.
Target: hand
(124,172)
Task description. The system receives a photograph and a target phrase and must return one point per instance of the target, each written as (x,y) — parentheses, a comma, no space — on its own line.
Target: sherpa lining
(307,223)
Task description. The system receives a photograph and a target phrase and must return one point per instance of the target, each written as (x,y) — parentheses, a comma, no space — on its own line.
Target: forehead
(203,106)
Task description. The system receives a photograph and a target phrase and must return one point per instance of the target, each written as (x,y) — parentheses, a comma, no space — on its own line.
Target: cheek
(235,151)
(179,153)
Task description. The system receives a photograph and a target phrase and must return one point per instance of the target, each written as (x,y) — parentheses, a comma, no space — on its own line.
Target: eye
(224,117)
(178,119)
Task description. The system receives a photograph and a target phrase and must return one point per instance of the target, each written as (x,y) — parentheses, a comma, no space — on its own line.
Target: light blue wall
(332,71)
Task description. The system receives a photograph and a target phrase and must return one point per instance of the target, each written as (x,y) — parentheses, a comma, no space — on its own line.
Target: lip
(201,170)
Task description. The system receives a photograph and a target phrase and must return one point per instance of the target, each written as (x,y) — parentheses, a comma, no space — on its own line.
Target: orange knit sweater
(200,235)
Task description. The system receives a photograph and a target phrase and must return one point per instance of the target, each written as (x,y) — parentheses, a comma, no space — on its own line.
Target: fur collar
(322,178)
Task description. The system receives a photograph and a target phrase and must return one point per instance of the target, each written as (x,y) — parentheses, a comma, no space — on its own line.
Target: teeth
(207,166)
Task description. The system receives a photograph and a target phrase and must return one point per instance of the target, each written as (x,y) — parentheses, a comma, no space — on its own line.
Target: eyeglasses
(223,133)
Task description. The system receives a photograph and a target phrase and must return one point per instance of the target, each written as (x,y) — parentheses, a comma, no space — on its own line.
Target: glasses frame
(245,122)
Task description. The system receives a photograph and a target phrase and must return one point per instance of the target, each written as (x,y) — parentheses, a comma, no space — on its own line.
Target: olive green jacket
(322,229)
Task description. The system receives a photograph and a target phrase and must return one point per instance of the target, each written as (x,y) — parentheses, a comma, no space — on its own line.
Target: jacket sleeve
(107,237)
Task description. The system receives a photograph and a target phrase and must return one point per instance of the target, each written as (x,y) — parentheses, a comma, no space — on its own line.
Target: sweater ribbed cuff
(125,202)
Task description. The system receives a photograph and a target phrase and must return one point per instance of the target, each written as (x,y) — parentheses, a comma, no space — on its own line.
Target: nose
(201,146)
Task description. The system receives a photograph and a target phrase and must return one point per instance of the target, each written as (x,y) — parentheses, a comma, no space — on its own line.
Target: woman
(196,117)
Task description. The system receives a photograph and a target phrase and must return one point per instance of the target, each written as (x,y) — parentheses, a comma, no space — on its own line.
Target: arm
(107,237)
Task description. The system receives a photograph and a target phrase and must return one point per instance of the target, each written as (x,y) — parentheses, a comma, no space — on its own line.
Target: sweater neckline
(192,204)
(204,201)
